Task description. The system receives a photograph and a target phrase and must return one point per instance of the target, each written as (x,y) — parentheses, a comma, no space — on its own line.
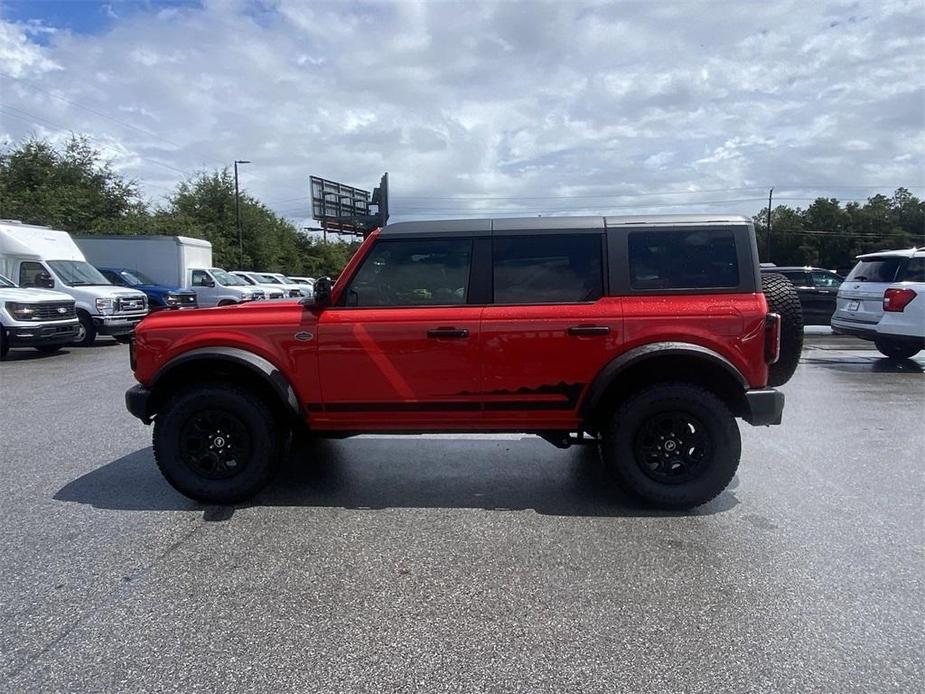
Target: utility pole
(770,195)
(237,213)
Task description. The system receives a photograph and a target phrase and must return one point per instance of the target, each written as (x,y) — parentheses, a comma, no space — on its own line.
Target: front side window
(413,272)
(566,268)
(682,259)
(29,274)
(797,279)
(201,278)
(826,280)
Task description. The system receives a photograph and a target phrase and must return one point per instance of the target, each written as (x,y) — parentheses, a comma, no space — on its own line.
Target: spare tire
(783,300)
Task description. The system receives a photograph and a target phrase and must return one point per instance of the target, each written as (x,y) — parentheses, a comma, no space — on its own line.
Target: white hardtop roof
(488,224)
(905,253)
(33,241)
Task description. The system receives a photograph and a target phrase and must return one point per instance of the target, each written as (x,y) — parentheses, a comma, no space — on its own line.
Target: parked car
(271,289)
(305,283)
(159,296)
(879,301)
(816,287)
(293,289)
(647,335)
(171,261)
(37,256)
(36,318)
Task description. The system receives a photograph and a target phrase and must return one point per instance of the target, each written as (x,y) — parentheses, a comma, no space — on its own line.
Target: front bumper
(136,402)
(40,335)
(764,406)
(117,325)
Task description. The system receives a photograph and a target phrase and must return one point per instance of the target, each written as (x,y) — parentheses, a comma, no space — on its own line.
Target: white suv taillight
(895,300)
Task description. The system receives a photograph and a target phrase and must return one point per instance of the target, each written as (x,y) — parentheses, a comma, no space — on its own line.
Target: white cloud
(504,100)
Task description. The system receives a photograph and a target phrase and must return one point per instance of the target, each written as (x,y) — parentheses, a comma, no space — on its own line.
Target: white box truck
(171,261)
(37,256)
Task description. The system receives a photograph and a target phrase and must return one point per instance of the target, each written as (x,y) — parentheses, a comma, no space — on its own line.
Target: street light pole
(237,212)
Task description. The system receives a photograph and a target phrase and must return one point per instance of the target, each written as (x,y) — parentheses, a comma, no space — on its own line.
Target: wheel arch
(211,364)
(661,362)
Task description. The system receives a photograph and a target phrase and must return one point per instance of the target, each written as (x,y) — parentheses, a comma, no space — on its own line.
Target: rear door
(826,286)
(549,329)
(402,351)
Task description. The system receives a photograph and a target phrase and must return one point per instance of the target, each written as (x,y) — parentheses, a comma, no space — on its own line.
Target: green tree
(71,188)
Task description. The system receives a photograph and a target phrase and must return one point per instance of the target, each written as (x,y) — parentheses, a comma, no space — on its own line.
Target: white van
(37,256)
(171,261)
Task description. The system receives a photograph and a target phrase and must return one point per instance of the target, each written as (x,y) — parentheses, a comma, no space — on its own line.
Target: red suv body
(553,326)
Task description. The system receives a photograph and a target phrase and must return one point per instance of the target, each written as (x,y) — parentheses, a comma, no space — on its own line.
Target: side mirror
(322,292)
(45,281)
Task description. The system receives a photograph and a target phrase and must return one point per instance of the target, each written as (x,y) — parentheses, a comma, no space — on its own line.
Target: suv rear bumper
(764,406)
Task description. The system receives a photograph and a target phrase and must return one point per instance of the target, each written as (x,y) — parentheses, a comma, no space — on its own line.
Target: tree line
(72,188)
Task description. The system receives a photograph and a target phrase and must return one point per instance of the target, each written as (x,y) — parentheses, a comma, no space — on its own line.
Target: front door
(549,330)
(401,350)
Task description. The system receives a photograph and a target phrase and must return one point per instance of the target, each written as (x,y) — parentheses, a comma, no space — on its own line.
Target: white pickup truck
(35,318)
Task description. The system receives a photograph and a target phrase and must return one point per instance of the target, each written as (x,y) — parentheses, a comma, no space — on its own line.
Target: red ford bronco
(645,335)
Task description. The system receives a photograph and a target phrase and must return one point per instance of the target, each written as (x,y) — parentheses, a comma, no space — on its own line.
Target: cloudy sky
(482,108)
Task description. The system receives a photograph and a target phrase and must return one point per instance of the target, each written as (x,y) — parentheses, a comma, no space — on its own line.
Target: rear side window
(826,280)
(29,272)
(798,279)
(413,272)
(543,269)
(875,270)
(914,271)
(683,259)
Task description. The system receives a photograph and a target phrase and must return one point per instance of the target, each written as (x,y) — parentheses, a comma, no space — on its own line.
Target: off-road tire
(783,300)
(896,350)
(626,430)
(89,331)
(250,411)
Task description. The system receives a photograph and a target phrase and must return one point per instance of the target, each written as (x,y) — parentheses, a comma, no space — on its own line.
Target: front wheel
(4,345)
(673,445)
(215,443)
(86,331)
(896,350)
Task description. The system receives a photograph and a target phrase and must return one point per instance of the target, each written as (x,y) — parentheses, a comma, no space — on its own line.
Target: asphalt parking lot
(464,564)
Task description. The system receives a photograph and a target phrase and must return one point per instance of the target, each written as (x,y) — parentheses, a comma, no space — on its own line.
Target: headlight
(23,311)
(171,299)
(104,305)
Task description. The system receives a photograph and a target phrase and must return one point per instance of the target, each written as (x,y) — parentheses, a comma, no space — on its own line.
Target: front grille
(59,310)
(259,295)
(293,293)
(130,304)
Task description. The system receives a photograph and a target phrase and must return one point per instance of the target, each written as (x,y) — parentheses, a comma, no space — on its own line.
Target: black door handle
(588,330)
(448,333)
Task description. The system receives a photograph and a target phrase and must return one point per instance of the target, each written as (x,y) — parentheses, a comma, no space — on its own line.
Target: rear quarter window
(683,259)
(914,271)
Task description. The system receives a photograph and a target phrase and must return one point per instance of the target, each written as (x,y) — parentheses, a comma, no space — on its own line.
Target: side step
(564,439)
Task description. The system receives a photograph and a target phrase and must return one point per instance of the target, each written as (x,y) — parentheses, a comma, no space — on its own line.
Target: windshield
(269,279)
(247,279)
(875,270)
(226,279)
(4,282)
(134,278)
(78,273)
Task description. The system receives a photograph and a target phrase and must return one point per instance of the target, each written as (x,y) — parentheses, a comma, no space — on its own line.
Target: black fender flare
(263,368)
(642,353)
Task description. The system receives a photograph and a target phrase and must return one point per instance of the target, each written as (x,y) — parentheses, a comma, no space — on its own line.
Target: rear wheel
(896,350)
(216,443)
(673,445)
(86,332)
(49,349)
(783,300)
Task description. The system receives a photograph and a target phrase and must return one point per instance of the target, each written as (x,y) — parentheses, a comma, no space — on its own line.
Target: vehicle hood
(32,295)
(161,289)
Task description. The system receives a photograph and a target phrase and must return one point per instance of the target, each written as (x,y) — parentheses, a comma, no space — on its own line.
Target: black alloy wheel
(671,447)
(215,444)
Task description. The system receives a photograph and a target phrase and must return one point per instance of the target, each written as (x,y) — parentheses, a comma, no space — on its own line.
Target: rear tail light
(897,299)
(772,338)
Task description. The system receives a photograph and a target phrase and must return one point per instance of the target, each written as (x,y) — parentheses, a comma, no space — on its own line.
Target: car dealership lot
(463,563)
